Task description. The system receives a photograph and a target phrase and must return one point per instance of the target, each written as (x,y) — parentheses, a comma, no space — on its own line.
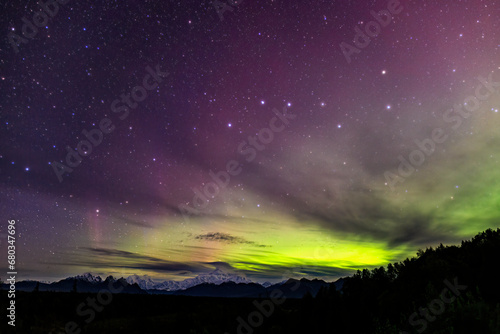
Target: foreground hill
(292,288)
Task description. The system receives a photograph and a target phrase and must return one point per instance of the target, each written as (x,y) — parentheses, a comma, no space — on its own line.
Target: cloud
(339,203)
(114,258)
(118,253)
(279,272)
(226,238)
(222,266)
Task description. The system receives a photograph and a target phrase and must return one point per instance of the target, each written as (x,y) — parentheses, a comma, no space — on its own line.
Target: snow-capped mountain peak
(88,277)
(215,277)
(145,282)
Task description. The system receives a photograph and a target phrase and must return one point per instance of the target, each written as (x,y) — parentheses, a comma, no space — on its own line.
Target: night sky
(330,154)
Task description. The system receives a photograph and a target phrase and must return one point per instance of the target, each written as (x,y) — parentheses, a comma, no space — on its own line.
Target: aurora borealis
(311,197)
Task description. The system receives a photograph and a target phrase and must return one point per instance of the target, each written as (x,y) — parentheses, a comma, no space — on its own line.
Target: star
(86,135)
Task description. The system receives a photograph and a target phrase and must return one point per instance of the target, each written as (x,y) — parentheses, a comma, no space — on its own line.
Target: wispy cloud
(226,238)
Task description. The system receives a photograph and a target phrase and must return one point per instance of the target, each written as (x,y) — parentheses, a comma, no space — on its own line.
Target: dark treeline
(412,296)
(449,289)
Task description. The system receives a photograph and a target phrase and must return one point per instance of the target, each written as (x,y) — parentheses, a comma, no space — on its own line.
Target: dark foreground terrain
(453,289)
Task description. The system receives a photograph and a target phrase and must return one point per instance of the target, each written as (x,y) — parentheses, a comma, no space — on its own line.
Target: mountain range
(216,277)
(213,284)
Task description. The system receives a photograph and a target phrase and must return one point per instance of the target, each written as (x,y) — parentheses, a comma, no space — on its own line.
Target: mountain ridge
(213,284)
